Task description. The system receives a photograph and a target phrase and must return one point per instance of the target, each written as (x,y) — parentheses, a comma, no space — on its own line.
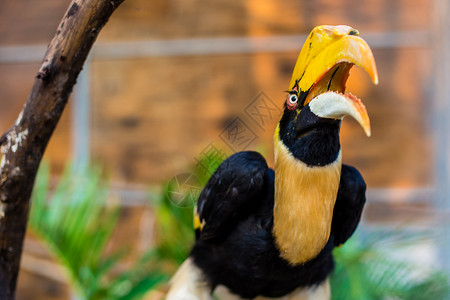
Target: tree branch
(23,145)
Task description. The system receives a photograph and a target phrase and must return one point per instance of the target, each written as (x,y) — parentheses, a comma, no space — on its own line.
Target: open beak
(322,70)
(332,105)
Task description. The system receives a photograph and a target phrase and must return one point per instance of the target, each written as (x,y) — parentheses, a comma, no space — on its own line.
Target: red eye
(291,101)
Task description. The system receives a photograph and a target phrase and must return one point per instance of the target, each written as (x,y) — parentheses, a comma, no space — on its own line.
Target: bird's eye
(291,101)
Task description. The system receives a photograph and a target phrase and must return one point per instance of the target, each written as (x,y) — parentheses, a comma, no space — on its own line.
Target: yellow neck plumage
(304,203)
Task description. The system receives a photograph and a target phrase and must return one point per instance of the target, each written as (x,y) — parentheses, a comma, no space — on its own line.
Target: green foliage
(371,265)
(76,223)
(174,227)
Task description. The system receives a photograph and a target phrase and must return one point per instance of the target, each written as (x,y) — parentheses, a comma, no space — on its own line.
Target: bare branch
(23,145)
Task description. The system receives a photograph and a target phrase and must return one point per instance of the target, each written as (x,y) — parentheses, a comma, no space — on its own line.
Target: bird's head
(316,101)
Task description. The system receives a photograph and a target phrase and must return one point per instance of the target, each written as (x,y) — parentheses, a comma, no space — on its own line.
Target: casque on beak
(322,70)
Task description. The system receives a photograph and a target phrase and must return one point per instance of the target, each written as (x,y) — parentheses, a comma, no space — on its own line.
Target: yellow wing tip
(197,223)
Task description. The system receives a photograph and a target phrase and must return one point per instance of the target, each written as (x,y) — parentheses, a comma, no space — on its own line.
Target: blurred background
(168,80)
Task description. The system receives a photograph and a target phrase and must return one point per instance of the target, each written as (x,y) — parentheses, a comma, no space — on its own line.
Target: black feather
(349,204)
(231,192)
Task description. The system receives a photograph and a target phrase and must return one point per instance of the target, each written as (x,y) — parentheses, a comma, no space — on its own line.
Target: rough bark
(23,145)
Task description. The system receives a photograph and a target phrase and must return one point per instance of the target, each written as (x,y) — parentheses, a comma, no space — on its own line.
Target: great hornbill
(270,233)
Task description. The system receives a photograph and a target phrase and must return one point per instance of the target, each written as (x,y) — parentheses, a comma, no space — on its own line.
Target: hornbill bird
(270,233)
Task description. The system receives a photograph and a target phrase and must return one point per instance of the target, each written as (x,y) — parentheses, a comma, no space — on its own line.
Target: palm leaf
(76,223)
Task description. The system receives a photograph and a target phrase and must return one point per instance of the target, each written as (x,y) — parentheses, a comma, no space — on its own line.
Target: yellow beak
(325,61)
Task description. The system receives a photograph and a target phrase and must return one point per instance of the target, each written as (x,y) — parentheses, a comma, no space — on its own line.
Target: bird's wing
(230,192)
(349,204)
